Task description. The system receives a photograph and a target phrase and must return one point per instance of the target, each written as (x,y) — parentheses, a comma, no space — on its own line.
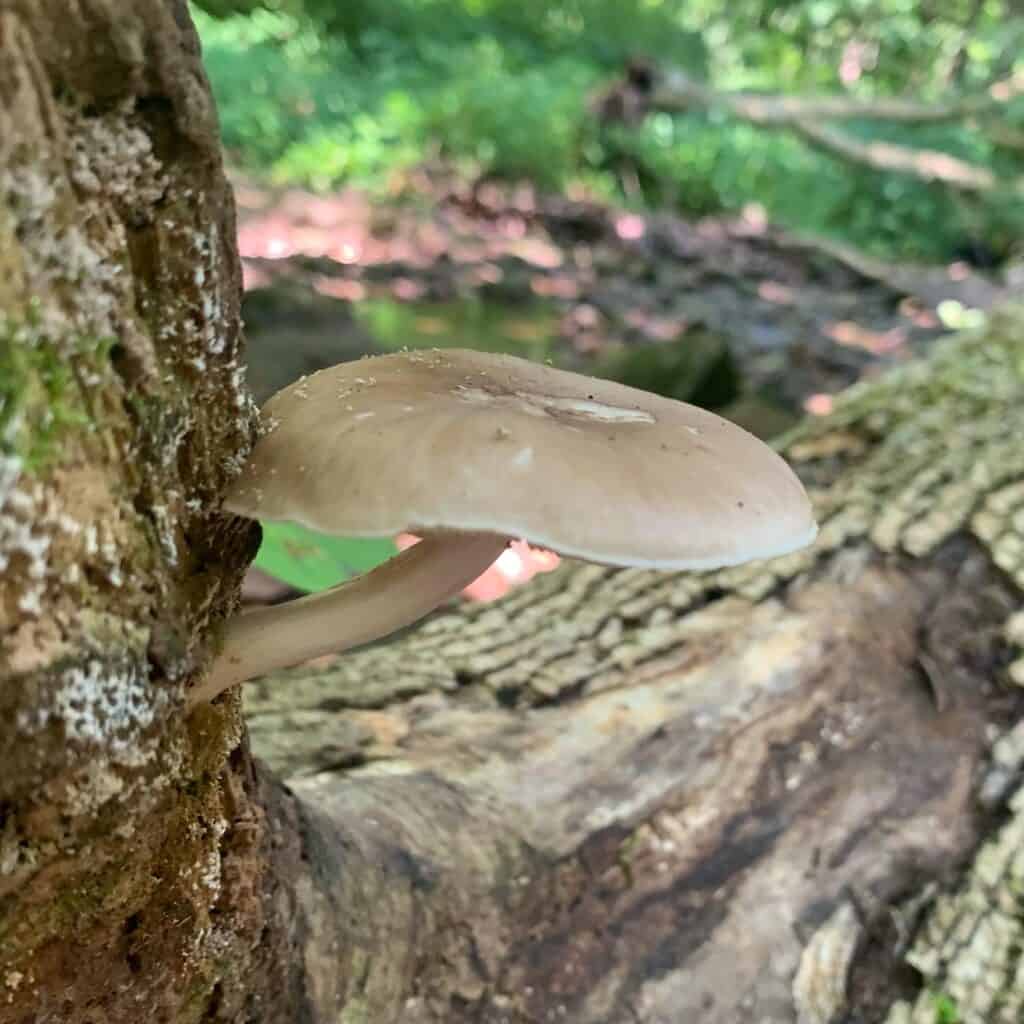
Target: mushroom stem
(393,595)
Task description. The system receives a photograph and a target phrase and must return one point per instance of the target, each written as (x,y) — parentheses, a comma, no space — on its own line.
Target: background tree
(129,847)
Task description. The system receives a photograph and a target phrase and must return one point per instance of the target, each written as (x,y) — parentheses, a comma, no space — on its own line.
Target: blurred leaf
(314,561)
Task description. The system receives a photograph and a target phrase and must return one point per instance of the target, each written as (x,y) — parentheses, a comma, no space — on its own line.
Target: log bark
(778,793)
(743,796)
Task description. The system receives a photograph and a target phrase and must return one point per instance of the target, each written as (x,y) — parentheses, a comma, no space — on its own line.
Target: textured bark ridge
(622,796)
(122,410)
(969,950)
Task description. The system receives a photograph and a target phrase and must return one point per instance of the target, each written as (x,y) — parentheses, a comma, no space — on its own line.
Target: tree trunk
(776,793)
(125,830)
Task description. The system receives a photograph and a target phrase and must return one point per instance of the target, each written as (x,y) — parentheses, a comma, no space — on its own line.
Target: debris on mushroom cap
(463,440)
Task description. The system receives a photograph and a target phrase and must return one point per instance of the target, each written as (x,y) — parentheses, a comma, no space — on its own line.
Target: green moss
(946,1011)
(73,909)
(355,1012)
(41,397)
(195,1003)
(87,899)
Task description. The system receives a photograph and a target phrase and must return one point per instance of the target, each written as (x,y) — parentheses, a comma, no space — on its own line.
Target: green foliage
(504,118)
(946,1010)
(330,93)
(226,8)
(314,561)
(703,165)
(905,46)
(524,330)
(319,93)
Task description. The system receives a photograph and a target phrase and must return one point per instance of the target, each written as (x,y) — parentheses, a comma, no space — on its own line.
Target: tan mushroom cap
(462,440)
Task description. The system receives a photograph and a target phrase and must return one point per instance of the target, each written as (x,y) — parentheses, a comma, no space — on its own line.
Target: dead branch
(675,92)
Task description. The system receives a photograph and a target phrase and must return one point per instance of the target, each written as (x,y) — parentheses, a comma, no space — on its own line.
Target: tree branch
(674,92)
(923,164)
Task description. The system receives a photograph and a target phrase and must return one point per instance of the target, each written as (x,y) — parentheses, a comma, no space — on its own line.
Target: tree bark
(776,793)
(125,829)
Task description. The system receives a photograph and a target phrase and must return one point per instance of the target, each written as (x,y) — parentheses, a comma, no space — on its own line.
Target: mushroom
(471,450)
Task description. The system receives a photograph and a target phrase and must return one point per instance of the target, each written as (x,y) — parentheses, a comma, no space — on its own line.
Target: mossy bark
(124,876)
(777,793)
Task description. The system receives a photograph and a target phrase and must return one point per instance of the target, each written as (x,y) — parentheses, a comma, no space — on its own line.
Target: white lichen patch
(96,784)
(207,874)
(67,254)
(33,195)
(102,169)
(102,704)
(50,531)
(25,547)
(165,531)
(199,316)
(107,776)
(208,279)
(239,385)
(112,157)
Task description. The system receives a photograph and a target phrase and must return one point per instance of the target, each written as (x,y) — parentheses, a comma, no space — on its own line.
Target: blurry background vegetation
(325,92)
(351,96)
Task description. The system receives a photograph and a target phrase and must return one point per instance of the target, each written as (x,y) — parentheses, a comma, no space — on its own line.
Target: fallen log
(621,796)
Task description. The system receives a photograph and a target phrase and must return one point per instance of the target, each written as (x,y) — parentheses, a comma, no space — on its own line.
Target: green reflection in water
(528,330)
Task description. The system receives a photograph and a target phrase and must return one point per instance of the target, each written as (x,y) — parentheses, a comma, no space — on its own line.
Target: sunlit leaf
(314,561)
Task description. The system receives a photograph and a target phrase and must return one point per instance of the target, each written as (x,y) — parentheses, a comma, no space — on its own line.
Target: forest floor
(651,298)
